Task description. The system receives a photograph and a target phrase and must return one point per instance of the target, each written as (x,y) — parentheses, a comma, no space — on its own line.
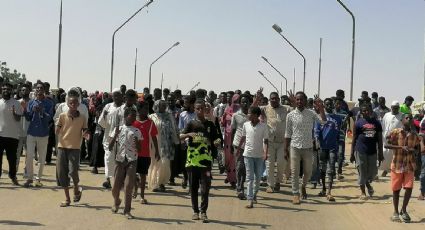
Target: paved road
(38,208)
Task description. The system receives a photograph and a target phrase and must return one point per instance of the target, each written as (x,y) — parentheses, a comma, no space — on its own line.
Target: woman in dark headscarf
(228,150)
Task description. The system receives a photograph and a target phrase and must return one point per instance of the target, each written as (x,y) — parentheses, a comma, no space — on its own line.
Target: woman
(226,121)
(209,115)
(160,170)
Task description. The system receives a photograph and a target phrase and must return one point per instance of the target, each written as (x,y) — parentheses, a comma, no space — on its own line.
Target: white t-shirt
(24,123)
(126,147)
(63,108)
(9,127)
(255,136)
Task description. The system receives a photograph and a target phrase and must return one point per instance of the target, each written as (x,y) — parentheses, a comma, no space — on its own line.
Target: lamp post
(113,39)
(262,74)
(196,85)
(293,90)
(150,68)
(279,31)
(60,48)
(320,67)
(352,47)
(286,80)
(135,71)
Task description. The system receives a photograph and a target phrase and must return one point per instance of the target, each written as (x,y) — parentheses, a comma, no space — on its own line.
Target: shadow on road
(241,224)
(164,221)
(20,223)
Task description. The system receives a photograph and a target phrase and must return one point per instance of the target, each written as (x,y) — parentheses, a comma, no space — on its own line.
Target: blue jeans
(316,169)
(254,169)
(422,174)
(341,156)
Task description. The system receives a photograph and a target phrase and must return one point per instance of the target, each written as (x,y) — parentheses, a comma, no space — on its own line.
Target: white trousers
(41,144)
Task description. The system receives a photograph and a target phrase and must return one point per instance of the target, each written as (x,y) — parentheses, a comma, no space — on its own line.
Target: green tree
(13,77)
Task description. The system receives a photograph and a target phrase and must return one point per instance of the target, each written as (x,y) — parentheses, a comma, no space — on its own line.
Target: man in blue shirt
(39,113)
(327,136)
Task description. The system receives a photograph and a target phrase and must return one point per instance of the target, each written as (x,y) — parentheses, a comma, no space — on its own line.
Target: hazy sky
(221,43)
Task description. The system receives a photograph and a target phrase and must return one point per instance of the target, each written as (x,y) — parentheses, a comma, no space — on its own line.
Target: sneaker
(241,196)
(277,187)
(94,171)
(107,184)
(15,181)
(195,216)
(38,183)
(28,184)
(204,218)
(405,217)
(384,173)
(296,200)
(128,216)
(269,190)
(340,177)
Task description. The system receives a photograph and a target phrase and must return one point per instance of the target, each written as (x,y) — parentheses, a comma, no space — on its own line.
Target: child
(201,134)
(71,127)
(128,140)
(149,132)
(403,141)
(255,136)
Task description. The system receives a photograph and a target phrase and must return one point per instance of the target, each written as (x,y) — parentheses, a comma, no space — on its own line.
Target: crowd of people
(145,140)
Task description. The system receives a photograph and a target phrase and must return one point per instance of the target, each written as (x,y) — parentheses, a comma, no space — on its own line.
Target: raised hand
(318,102)
(291,97)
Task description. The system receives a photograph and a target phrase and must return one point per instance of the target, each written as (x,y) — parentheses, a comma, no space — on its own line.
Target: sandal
(363,197)
(421,197)
(65,203)
(134,196)
(143,201)
(77,198)
(322,193)
(330,198)
(395,218)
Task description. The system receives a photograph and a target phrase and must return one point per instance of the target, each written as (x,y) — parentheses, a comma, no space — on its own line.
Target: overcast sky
(221,43)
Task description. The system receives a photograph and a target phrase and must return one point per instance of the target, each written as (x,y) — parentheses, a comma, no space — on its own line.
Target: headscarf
(234,106)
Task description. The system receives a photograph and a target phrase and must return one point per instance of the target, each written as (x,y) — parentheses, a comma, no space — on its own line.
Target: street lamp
(150,68)
(279,31)
(352,47)
(196,85)
(286,80)
(262,74)
(113,39)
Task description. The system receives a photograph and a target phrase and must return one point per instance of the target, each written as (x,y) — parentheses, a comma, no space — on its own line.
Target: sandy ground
(38,208)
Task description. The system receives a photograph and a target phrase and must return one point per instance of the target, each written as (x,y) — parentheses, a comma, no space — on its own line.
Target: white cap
(395,103)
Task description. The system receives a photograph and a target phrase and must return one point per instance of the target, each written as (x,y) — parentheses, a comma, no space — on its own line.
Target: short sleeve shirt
(238,120)
(71,133)
(275,119)
(148,130)
(299,127)
(255,136)
(126,148)
(199,147)
(367,132)
(403,161)
(9,127)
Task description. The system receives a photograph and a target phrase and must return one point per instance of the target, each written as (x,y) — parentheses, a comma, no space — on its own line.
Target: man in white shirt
(10,117)
(390,121)
(299,141)
(255,137)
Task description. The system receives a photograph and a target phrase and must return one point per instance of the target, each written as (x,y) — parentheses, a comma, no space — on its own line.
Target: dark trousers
(10,145)
(50,144)
(199,176)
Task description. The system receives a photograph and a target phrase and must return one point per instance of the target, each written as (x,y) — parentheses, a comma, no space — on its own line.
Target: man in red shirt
(149,133)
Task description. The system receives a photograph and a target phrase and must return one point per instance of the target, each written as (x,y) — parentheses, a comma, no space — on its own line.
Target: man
(404,142)
(343,130)
(157,94)
(366,149)
(200,135)
(219,110)
(340,94)
(10,116)
(25,93)
(123,89)
(184,119)
(405,107)
(299,141)
(274,115)
(39,113)
(165,93)
(327,136)
(381,109)
(375,100)
(391,120)
(104,119)
(175,112)
(238,120)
